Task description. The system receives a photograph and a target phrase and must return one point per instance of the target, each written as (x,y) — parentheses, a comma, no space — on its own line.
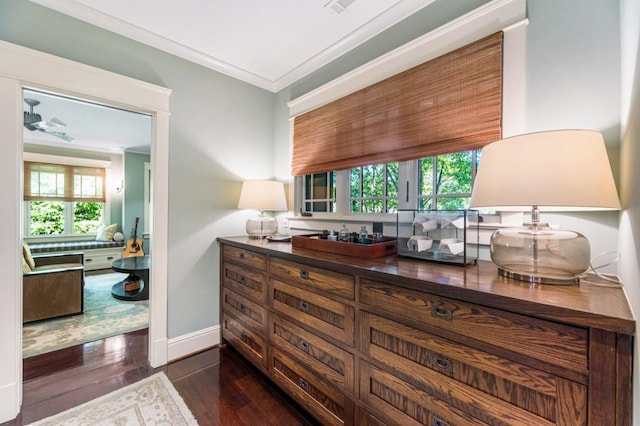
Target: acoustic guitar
(134,245)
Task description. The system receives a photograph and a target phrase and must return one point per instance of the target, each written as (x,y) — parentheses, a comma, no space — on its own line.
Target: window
(443,182)
(320,192)
(374,189)
(63,200)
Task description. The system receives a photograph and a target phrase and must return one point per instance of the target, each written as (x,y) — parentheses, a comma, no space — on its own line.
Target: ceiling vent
(338,6)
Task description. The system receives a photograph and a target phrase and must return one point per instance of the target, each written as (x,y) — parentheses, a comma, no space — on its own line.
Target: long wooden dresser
(401,341)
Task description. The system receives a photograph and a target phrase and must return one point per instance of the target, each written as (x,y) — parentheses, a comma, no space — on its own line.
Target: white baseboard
(185,345)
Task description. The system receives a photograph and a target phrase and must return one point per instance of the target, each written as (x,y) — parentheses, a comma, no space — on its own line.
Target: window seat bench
(97,254)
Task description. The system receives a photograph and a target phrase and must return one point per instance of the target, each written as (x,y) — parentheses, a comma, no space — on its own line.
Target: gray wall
(134,195)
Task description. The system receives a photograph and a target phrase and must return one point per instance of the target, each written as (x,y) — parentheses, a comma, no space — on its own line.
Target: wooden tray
(385,247)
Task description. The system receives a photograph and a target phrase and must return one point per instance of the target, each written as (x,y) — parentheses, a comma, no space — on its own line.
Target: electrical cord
(611,282)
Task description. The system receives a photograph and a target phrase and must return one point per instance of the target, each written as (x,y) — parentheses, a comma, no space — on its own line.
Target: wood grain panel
(326,359)
(425,360)
(249,283)
(251,313)
(328,405)
(249,343)
(552,342)
(245,257)
(389,397)
(334,319)
(318,280)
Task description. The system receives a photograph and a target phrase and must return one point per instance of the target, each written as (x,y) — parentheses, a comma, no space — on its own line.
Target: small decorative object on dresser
(446,236)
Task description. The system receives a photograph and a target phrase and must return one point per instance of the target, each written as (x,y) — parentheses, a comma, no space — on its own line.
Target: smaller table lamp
(262,195)
(562,170)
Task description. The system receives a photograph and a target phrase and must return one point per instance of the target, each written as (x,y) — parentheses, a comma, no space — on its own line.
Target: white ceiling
(94,127)
(269,44)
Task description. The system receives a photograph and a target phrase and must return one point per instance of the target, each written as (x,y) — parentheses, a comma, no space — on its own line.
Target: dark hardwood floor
(218,385)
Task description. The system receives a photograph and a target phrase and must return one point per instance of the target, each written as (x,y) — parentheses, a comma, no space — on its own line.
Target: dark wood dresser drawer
(320,280)
(329,317)
(245,281)
(401,403)
(248,342)
(245,257)
(326,359)
(486,386)
(326,404)
(559,345)
(252,314)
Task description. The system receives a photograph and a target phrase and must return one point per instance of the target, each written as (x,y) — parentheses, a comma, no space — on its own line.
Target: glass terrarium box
(447,236)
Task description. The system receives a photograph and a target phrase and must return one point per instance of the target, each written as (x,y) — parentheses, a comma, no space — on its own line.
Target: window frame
(408,194)
(69,208)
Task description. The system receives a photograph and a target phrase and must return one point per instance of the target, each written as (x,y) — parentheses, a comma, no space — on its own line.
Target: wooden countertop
(586,305)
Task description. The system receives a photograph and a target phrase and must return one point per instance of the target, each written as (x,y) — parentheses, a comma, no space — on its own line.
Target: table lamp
(562,170)
(262,195)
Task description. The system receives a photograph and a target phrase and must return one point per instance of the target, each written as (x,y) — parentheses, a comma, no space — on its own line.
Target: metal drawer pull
(435,421)
(242,307)
(304,306)
(88,260)
(242,255)
(304,385)
(304,275)
(304,346)
(441,312)
(110,257)
(243,337)
(242,279)
(443,363)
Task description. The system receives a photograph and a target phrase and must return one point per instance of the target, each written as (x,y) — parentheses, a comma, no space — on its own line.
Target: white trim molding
(21,67)
(191,343)
(481,22)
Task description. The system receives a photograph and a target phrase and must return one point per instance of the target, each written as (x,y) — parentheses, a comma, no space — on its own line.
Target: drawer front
(403,404)
(486,386)
(245,281)
(245,257)
(320,356)
(554,343)
(100,259)
(329,282)
(327,405)
(253,315)
(333,319)
(247,342)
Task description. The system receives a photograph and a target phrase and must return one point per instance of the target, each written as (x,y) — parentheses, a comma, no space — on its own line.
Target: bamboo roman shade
(452,103)
(58,182)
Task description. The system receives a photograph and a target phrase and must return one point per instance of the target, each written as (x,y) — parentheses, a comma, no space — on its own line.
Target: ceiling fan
(33,121)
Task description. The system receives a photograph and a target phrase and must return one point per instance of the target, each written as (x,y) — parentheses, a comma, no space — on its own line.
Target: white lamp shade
(555,171)
(262,195)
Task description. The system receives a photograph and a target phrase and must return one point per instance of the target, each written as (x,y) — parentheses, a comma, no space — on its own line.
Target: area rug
(151,401)
(104,316)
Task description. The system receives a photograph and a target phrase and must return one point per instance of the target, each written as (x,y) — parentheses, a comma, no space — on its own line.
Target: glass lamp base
(536,253)
(261,226)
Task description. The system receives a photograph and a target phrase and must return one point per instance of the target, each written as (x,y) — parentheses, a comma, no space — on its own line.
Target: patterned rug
(151,401)
(104,316)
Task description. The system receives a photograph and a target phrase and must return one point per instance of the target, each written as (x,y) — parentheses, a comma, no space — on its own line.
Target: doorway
(100,147)
(23,67)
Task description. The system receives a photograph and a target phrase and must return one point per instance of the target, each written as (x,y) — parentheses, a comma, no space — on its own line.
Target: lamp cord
(611,282)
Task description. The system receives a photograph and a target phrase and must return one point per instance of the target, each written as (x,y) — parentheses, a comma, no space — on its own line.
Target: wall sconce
(262,195)
(562,170)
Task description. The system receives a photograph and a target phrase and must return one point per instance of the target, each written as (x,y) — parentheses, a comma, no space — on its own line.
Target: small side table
(138,269)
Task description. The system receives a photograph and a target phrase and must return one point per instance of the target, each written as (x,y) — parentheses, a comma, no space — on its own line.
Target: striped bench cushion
(73,246)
